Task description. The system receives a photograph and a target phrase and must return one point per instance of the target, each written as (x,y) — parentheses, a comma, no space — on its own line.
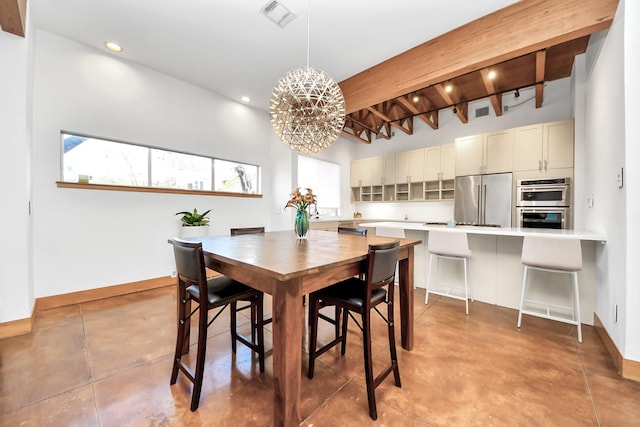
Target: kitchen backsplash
(418,211)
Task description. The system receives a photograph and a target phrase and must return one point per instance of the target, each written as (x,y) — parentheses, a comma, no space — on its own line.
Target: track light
(517,94)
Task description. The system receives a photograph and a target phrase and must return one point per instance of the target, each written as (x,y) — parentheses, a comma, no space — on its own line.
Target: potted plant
(194,224)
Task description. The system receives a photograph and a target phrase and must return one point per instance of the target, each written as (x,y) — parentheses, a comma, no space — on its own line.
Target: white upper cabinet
(356,172)
(485,153)
(544,146)
(367,172)
(390,169)
(440,162)
(410,166)
(376,164)
(469,151)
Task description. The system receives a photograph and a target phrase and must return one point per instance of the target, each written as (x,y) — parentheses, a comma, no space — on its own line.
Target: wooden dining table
(285,267)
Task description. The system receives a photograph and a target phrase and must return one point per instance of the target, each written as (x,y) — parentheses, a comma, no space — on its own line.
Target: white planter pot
(199,231)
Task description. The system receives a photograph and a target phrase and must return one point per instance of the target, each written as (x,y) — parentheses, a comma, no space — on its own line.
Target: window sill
(77,185)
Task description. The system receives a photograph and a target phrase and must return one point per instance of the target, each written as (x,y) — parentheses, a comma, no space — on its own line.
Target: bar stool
(556,254)
(449,244)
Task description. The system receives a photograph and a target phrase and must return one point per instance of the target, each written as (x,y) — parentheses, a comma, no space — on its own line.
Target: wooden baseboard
(54,301)
(628,369)
(18,327)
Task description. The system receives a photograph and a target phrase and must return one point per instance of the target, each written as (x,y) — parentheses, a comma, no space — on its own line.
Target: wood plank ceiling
(526,44)
(13,15)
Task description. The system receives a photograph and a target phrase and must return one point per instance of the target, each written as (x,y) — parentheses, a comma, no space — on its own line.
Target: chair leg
(392,345)
(313,333)
(524,289)
(466,286)
(576,296)
(180,338)
(200,357)
(426,298)
(259,328)
(345,325)
(368,365)
(337,319)
(234,324)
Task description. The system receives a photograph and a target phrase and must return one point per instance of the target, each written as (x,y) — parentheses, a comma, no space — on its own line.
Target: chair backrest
(189,261)
(553,252)
(350,230)
(382,260)
(247,230)
(449,243)
(390,232)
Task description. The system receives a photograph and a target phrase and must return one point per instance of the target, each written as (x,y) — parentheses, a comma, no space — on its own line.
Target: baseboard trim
(628,369)
(61,300)
(25,326)
(18,327)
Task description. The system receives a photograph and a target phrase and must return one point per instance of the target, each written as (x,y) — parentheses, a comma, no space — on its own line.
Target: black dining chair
(352,230)
(362,296)
(209,294)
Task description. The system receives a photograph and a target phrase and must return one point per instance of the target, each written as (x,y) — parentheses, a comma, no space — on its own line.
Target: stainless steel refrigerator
(483,199)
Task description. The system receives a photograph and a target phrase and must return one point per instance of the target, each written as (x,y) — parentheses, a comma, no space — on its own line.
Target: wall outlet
(174,273)
(590,201)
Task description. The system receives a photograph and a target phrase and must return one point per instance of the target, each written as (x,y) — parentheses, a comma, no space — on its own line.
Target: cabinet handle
(545,165)
(540,165)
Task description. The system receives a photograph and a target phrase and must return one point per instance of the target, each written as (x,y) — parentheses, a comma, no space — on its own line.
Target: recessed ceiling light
(113,47)
(491,75)
(245,99)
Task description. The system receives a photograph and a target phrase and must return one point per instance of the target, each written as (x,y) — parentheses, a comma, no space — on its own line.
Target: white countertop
(494,231)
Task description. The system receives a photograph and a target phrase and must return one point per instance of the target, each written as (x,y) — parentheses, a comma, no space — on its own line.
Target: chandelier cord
(308,30)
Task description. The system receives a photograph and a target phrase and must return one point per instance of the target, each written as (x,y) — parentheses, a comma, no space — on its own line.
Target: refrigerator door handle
(480,202)
(484,204)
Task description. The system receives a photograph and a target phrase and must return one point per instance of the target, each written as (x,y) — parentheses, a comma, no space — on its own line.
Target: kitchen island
(495,271)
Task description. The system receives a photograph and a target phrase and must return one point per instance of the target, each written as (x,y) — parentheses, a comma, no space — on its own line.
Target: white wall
(85,239)
(16,289)
(604,130)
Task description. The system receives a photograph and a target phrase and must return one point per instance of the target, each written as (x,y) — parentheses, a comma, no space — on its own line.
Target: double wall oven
(544,203)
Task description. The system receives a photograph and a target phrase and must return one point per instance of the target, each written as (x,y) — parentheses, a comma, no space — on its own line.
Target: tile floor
(107,363)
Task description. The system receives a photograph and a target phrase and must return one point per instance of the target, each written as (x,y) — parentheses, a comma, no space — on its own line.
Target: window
(324,178)
(99,161)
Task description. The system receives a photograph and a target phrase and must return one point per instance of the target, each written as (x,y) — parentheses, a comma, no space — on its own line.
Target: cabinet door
(366,172)
(528,148)
(390,169)
(432,163)
(356,167)
(402,167)
(557,144)
(376,164)
(498,152)
(416,165)
(469,155)
(448,161)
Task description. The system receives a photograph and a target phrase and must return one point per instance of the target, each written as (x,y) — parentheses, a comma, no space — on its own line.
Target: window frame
(62,183)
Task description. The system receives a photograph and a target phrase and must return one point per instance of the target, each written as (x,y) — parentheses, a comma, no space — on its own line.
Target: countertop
(494,231)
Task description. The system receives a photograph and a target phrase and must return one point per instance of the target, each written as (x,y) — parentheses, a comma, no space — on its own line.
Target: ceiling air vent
(484,111)
(278,13)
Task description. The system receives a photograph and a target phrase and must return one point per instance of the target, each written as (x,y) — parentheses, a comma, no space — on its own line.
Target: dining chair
(392,232)
(554,254)
(362,297)
(351,230)
(246,230)
(208,294)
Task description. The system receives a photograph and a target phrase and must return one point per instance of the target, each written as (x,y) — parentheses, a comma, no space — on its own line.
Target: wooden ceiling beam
(426,117)
(13,16)
(460,109)
(541,61)
(380,111)
(495,98)
(524,27)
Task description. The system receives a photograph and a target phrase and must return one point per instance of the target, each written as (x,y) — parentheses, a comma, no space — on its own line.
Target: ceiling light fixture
(491,75)
(448,88)
(307,108)
(517,94)
(416,98)
(113,47)
(245,99)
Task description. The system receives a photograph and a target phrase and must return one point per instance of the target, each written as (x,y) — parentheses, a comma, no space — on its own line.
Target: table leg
(288,319)
(405,266)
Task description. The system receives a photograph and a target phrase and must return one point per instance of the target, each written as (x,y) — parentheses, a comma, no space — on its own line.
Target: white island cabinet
(495,270)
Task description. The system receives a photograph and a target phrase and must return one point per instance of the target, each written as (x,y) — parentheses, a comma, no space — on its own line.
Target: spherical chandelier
(307,108)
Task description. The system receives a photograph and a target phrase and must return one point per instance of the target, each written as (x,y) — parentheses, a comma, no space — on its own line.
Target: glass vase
(301,226)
